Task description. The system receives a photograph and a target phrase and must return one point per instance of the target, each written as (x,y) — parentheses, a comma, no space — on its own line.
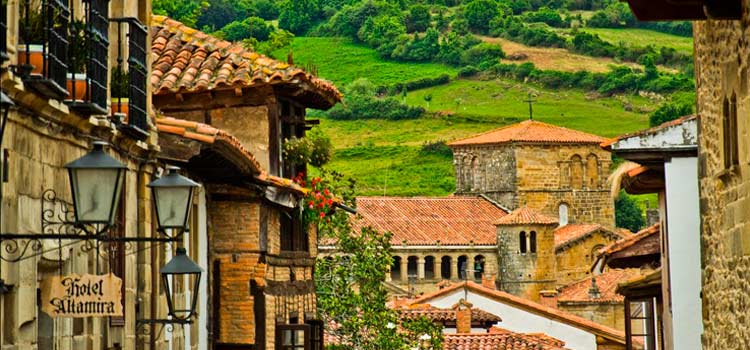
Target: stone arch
(474,173)
(532,242)
(576,172)
(445,267)
(592,171)
(429,267)
(411,266)
(479,261)
(595,251)
(396,268)
(562,213)
(462,263)
(522,242)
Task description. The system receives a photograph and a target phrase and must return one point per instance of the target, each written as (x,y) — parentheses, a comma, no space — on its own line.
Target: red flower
(322,214)
(326,192)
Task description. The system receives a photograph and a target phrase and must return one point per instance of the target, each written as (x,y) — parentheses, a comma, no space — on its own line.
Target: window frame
(281,328)
(730,137)
(293,235)
(650,319)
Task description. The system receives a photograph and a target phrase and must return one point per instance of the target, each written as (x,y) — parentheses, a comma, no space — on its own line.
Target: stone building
(720,33)
(557,171)
(229,105)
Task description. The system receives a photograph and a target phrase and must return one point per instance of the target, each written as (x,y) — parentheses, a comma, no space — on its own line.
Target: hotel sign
(82,296)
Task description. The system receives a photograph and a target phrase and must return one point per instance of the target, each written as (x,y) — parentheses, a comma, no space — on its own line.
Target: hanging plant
(314,149)
(318,202)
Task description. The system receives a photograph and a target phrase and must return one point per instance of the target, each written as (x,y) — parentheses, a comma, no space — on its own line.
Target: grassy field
(642,37)
(341,61)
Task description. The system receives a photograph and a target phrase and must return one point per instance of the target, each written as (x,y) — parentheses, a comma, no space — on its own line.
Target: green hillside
(640,37)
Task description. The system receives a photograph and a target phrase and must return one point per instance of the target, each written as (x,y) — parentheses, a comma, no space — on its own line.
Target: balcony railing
(43,50)
(89,59)
(129,77)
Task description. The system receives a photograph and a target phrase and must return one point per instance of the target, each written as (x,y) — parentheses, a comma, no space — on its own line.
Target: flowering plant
(318,201)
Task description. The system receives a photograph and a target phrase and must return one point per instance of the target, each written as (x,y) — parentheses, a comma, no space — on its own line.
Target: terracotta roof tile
(530,131)
(438,314)
(607,144)
(530,306)
(607,282)
(429,220)
(186,60)
(500,339)
(569,234)
(525,216)
(630,240)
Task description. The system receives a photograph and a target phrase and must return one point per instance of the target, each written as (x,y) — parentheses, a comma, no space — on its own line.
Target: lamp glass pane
(95,191)
(172,205)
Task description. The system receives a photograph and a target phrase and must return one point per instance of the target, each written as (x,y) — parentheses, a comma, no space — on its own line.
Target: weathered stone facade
(527,265)
(574,262)
(721,66)
(542,176)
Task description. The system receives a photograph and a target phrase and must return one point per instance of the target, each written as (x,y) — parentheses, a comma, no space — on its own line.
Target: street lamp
(180,266)
(96,183)
(173,198)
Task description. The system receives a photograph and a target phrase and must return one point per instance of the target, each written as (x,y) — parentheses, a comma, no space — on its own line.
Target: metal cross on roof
(531,110)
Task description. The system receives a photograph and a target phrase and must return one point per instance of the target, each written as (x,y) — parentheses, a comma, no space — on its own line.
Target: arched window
(445,268)
(522,242)
(592,171)
(429,267)
(576,172)
(532,241)
(462,266)
(411,267)
(396,269)
(478,267)
(562,212)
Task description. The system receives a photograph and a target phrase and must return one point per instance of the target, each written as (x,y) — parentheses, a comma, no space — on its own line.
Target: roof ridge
(486,132)
(526,215)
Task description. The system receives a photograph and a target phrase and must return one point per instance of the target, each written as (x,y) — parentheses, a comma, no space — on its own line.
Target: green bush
(479,13)
(414,85)
(468,71)
(418,18)
(669,111)
(484,54)
(627,213)
(545,15)
(439,147)
(367,107)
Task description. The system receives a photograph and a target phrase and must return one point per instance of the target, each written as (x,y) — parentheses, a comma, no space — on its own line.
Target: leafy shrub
(418,18)
(545,15)
(439,147)
(415,84)
(479,13)
(484,54)
(468,71)
(266,9)
(669,111)
(366,107)
(252,27)
(627,213)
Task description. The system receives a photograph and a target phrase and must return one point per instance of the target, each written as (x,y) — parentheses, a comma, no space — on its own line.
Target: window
(129,81)
(293,337)
(292,120)
(641,324)
(293,234)
(532,242)
(316,334)
(562,211)
(522,242)
(731,156)
(576,172)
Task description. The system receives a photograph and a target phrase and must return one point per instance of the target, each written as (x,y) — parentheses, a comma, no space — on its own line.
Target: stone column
(404,269)
(438,267)
(420,268)
(454,268)
(388,273)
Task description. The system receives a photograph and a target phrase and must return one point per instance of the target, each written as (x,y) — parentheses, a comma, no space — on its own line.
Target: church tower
(557,171)
(526,253)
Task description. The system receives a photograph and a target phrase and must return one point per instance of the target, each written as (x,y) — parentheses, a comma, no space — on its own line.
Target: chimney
(594,292)
(463,316)
(548,298)
(488,281)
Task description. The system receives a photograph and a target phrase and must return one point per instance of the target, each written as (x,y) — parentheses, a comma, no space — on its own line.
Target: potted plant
(119,84)
(78,53)
(32,40)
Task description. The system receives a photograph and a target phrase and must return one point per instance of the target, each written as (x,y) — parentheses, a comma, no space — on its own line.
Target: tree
(351,285)
(627,213)
(298,16)
(479,13)
(669,111)
(185,11)
(418,18)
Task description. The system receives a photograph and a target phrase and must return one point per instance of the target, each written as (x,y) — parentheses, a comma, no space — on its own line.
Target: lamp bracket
(58,224)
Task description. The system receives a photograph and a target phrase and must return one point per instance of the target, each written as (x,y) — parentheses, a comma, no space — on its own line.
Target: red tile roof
(607,282)
(530,131)
(526,216)
(570,234)
(186,60)
(437,314)
(209,135)
(608,143)
(500,339)
(429,220)
(630,240)
(530,306)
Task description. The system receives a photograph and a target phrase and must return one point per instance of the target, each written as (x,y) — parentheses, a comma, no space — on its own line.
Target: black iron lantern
(96,183)
(177,268)
(173,198)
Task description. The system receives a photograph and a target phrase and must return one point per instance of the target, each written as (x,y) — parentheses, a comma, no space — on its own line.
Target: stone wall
(526,274)
(575,175)
(608,314)
(249,124)
(574,262)
(721,66)
(489,170)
